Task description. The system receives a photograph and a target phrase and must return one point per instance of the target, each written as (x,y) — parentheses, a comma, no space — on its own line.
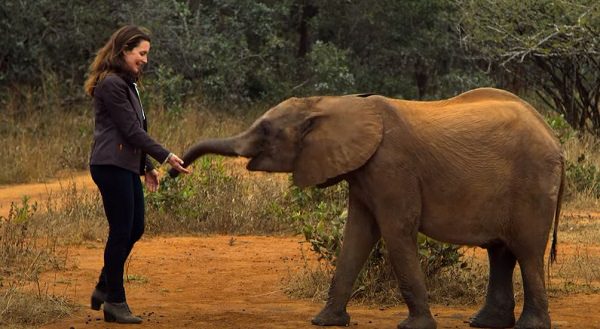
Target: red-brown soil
(233,282)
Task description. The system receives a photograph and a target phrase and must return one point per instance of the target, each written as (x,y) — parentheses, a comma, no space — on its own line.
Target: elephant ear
(340,136)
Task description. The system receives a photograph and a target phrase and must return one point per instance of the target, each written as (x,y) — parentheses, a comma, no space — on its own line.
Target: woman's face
(137,57)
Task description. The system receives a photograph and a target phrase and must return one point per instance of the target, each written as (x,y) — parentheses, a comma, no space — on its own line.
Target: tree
(553,45)
(400,48)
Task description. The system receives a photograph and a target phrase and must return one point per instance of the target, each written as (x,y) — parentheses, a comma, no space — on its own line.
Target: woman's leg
(117,190)
(137,229)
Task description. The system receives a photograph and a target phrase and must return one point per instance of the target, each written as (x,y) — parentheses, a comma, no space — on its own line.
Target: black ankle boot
(98,298)
(120,313)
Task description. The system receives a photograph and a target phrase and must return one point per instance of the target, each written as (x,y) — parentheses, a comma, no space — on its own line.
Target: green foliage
(166,90)
(321,214)
(232,52)
(325,239)
(583,176)
(397,48)
(513,30)
(330,72)
(228,48)
(46,35)
(561,127)
(435,256)
(242,51)
(215,198)
(209,172)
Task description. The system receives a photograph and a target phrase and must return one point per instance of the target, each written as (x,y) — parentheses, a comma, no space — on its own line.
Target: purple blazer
(120,136)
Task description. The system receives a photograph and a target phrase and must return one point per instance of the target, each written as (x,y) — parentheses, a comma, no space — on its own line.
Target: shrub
(218,198)
(167,90)
(329,67)
(582,177)
(561,127)
(17,250)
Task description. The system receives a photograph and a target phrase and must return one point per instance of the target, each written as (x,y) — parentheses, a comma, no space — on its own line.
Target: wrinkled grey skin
(480,169)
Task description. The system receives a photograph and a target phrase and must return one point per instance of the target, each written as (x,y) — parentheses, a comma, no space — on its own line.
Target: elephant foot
(329,317)
(493,317)
(529,320)
(421,322)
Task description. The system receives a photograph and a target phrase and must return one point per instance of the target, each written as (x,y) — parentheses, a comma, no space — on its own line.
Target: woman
(119,157)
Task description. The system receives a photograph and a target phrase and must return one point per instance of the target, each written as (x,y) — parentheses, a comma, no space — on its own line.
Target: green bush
(166,90)
(217,198)
(183,200)
(329,69)
(582,177)
(560,126)
(436,256)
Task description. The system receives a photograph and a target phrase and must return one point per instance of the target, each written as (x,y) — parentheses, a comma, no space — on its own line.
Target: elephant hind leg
(498,310)
(403,253)
(535,307)
(529,245)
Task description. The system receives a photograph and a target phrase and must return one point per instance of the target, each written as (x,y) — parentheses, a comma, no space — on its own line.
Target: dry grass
(579,229)
(578,265)
(27,250)
(21,309)
(37,145)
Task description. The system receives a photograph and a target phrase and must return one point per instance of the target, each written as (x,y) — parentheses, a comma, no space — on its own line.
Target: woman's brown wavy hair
(109,58)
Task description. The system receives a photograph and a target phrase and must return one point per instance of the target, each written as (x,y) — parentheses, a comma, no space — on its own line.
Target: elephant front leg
(360,235)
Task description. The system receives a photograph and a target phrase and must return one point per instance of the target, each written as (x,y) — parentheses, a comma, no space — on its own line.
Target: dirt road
(237,282)
(41,191)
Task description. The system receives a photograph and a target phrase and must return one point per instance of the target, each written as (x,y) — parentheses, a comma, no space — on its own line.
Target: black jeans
(123,199)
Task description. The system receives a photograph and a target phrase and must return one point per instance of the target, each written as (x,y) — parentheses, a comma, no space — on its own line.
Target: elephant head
(315,138)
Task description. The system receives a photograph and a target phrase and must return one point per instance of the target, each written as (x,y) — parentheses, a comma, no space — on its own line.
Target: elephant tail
(557,212)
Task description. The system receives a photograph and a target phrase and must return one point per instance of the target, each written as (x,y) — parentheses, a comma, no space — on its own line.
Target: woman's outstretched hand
(177,164)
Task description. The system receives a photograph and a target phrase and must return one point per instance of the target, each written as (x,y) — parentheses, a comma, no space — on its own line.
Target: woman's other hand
(152,180)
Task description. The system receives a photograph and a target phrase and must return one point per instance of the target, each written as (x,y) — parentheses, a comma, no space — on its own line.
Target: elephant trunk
(246,144)
(220,146)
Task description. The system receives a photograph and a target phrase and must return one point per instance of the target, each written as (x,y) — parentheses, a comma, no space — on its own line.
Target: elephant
(479,169)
